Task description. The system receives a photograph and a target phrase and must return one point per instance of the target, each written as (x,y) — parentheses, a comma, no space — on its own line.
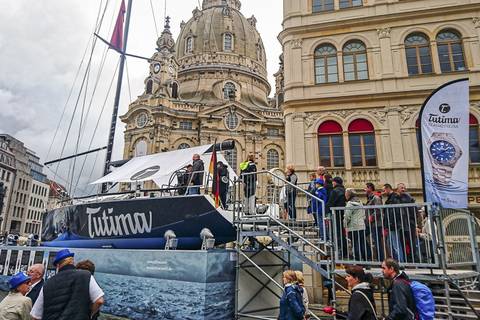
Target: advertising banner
(444,122)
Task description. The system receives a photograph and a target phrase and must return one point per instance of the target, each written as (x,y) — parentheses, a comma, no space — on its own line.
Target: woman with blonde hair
(301,284)
(291,302)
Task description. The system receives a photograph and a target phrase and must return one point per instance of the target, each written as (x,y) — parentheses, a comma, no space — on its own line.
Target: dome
(219,38)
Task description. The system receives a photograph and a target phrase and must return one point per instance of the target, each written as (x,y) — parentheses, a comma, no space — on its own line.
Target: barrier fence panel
(369,234)
(460,236)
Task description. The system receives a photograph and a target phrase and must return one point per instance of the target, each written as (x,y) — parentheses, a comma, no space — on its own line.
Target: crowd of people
(361,306)
(71,294)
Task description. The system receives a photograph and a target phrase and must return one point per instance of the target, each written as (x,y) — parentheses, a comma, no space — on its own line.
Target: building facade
(7,176)
(28,195)
(367,66)
(210,85)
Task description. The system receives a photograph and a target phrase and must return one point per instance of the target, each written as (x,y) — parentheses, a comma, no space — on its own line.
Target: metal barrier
(459,228)
(369,234)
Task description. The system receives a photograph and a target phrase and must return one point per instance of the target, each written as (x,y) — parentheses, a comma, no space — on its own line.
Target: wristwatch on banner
(444,152)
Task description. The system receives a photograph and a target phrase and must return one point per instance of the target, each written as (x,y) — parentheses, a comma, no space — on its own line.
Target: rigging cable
(128,81)
(154,19)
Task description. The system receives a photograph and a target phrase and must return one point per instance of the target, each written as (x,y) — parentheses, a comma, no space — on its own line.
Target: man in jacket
(401,302)
(410,222)
(337,199)
(71,294)
(36,273)
(248,175)
(16,306)
(392,220)
(197,175)
(375,221)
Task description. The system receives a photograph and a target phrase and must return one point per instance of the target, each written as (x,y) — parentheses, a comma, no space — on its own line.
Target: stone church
(209,85)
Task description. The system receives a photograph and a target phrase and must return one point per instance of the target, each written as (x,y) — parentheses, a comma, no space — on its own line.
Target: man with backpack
(407,300)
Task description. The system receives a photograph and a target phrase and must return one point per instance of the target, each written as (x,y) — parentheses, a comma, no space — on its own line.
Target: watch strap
(442,174)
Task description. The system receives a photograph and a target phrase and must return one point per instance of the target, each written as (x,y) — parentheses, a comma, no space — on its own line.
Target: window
(330,144)
(350,3)
(189,45)
(326,64)
(231,157)
(417,50)
(231,120)
(185,125)
(273,159)
(355,61)
(273,132)
(149,87)
(175,90)
(361,137)
(322,5)
(474,140)
(450,51)
(183,146)
(227,42)
(229,91)
(141,148)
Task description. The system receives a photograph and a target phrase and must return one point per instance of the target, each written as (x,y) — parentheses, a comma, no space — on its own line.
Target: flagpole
(111,136)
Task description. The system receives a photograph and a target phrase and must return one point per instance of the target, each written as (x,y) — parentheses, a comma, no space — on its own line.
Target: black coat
(401,302)
(358,306)
(33,294)
(410,220)
(392,218)
(250,180)
(336,198)
(198,168)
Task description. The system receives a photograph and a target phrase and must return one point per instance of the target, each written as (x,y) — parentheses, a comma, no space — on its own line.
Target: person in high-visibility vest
(248,175)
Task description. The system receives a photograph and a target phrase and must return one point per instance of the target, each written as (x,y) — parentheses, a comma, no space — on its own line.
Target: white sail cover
(158,166)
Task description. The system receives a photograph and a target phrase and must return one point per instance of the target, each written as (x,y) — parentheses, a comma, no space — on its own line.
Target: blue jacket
(315,205)
(291,303)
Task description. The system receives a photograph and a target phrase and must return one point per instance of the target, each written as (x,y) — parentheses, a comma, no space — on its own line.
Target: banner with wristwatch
(444,122)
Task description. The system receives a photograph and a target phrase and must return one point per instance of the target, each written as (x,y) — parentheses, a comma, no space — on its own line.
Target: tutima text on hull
(146,219)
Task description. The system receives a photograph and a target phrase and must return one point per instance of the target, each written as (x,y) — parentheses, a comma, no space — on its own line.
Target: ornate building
(367,66)
(209,85)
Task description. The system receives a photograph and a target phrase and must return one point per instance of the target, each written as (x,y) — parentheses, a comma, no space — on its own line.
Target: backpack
(423,300)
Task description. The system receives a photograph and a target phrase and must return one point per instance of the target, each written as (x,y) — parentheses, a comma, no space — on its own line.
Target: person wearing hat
(71,294)
(316,207)
(16,306)
(337,199)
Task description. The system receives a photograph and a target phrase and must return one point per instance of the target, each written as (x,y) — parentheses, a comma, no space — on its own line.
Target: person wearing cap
(36,273)
(71,294)
(16,306)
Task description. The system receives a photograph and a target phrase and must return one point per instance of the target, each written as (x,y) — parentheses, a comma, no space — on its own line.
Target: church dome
(218,38)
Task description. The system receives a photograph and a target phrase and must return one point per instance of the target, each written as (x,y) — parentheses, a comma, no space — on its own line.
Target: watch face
(156,68)
(442,151)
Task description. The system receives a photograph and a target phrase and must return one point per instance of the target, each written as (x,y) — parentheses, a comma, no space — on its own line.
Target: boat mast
(113,125)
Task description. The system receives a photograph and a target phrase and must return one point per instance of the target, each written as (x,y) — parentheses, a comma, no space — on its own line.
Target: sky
(44,49)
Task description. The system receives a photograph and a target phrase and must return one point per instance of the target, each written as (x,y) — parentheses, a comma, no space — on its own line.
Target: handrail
(470,305)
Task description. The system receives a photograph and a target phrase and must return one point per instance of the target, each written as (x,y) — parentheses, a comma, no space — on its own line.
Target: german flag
(215,176)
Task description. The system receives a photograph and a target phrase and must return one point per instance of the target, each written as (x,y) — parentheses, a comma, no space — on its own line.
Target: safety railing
(369,234)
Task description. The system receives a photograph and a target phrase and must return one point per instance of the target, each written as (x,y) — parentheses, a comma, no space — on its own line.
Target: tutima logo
(444,108)
(145,173)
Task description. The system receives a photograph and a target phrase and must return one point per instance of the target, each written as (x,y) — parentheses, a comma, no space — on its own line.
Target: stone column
(296,143)
(475,45)
(386,51)
(435,59)
(394,121)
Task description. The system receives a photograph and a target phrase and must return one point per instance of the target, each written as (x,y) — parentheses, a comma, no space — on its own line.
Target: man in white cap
(16,306)
(71,294)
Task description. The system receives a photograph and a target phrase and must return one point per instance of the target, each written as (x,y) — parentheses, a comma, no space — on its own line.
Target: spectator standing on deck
(197,175)
(291,192)
(375,221)
(16,306)
(328,184)
(393,221)
(248,175)
(337,199)
(321,173)
(71,294)
(36,272)
(354,221)
(401,301)
(224,182)
(410,222)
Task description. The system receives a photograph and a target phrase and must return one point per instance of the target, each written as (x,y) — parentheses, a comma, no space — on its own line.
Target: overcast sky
(42,43)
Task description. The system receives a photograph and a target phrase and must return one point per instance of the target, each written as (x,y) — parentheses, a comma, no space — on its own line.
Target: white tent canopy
(159,167)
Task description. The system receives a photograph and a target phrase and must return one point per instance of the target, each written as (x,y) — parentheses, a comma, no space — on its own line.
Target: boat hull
(136,224)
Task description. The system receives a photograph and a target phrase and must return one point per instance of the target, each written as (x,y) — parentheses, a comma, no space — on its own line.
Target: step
(454,307)
(456,316)
(457,299)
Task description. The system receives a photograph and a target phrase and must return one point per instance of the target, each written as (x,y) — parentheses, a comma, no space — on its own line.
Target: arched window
(175,90)
(231,120)
(183,146)
(322,5)
(330,144)
(450,51)
(273,159)
(141,148)
(229,91)
(189,45)
(231,157)
(227,42)
(361,137)
(350,3)
(355,61)
(326,70)
(149,88)
(417,50)
(474,140)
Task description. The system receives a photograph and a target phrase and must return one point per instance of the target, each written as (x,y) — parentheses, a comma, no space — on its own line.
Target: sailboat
(165,219)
